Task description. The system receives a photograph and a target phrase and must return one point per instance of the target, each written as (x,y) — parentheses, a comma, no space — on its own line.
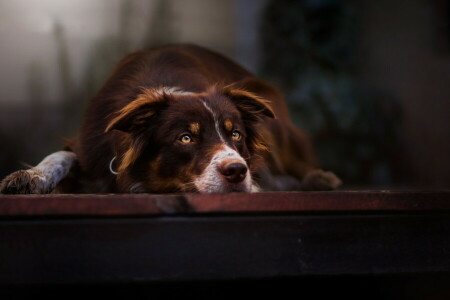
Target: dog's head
(176,141)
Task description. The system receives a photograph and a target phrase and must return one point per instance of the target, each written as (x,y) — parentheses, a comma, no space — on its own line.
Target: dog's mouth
(224,188)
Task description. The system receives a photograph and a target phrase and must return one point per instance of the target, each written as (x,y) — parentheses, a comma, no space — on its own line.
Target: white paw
(30,181)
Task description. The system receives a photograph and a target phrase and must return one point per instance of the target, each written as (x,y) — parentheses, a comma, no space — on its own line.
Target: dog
(177,119)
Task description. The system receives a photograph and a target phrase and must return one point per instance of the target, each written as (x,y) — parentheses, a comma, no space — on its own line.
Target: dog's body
(180,119)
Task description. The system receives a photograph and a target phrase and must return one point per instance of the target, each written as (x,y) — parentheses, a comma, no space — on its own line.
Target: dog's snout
(234,172)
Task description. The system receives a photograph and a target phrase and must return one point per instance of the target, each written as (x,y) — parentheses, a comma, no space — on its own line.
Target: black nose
(233,172)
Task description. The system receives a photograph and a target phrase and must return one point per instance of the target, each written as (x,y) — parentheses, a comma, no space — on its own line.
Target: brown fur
(196,70)
(134,119)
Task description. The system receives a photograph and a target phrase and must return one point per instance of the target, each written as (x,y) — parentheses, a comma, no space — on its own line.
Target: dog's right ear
(138,113)
(249,104)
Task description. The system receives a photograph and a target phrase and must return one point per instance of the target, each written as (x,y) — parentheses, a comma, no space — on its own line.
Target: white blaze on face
(216,120)
(211,180)
(170,90)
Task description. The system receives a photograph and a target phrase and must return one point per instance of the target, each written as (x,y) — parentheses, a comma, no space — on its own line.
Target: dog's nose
(234,172)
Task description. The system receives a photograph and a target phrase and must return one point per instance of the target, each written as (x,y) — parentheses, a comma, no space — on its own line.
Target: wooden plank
(149,204)
(142,250)
(65,239)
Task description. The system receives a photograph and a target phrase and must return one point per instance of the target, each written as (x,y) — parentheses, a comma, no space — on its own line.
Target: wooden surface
(110,239)
(147,204)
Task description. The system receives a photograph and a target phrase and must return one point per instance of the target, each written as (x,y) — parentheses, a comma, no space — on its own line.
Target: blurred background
(369,80)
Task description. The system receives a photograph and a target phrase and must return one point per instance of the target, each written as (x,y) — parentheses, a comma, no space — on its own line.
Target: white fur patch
(211,181)
(170,90)
(216,120)
(43,178)
(55,167)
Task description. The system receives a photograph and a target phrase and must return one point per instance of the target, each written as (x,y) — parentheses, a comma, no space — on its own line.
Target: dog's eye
(236,135)
(185,139)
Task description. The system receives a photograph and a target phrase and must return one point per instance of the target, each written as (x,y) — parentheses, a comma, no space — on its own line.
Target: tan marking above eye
(228,125)
(194,128)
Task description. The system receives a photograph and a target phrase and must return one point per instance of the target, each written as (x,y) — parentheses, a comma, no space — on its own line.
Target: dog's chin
(225,187)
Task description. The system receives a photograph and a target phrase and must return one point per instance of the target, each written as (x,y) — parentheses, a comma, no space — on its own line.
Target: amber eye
(236,135)
(185,139)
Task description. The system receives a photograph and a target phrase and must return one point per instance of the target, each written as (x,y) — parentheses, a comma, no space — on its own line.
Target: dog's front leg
(41,179)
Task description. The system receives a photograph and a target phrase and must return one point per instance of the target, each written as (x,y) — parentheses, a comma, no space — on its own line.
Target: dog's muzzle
(226,172)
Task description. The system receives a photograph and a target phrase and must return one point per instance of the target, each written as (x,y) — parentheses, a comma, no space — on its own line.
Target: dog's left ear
(136,115)
(134,119)
(248,103)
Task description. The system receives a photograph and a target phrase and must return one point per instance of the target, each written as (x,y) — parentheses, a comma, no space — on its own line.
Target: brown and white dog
(180,118)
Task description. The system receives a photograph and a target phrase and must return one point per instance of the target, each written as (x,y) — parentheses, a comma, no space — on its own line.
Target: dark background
(369,80)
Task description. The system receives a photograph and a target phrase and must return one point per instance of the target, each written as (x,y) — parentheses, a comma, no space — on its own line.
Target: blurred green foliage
(309,51)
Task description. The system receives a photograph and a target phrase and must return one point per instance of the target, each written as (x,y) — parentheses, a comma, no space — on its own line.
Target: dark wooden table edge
(234,203)
(414,238)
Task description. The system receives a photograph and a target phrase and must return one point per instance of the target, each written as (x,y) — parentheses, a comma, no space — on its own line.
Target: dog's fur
(180,118)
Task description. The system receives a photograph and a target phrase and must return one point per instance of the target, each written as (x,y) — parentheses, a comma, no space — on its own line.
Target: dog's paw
(30,181)
(320,180)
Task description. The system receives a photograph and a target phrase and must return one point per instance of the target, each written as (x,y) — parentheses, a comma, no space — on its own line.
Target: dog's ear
(134,119)
(138,113)
(249,104)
